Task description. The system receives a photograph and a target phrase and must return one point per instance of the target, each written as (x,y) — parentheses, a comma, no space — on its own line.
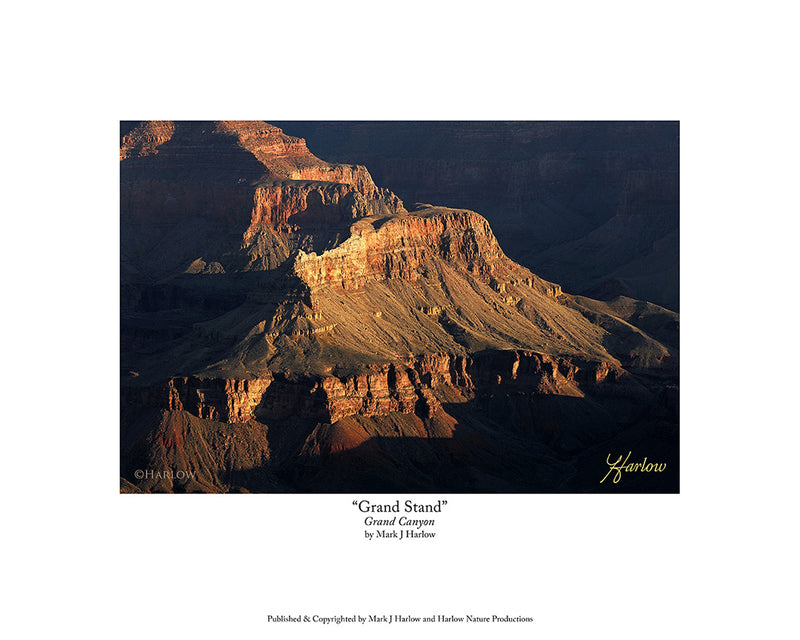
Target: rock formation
(591,205)
(288,325)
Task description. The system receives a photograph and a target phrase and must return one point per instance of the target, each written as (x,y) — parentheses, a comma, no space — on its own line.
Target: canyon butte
(289,326)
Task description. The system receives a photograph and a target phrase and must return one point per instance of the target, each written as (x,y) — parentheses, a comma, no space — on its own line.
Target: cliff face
(282,315)
(223,400)
(145,139)
(324,202)
(288,158)
(414,386)
(400,247)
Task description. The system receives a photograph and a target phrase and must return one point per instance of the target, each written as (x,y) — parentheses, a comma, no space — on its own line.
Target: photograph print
(399,307)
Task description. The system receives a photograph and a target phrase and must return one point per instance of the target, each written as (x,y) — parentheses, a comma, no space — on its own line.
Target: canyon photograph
(399,307)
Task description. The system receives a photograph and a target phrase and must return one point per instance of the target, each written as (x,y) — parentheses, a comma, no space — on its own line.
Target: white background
(718,560)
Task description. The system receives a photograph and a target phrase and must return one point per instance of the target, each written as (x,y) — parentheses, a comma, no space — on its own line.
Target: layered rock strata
(413,386)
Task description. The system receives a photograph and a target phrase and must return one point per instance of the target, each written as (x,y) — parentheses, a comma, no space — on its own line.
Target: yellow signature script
(619,466)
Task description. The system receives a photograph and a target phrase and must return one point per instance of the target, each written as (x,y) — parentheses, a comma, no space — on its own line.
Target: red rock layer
(401,246)
(145,139)
(411,387)
(328,202)
(288,158)
(284,157)
(224,400)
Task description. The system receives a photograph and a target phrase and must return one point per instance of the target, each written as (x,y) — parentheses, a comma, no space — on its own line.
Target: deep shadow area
(158,319)
(550,454)
(494,443)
